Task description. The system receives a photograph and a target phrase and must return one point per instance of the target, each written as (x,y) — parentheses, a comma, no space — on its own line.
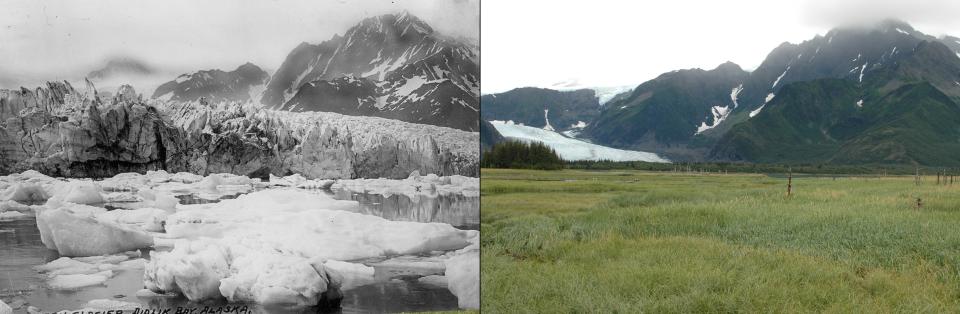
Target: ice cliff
(62,131)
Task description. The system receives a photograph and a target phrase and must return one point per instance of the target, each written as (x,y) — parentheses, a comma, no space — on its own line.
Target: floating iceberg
(294,236)
(413,185)
(463,278)
(75,230)
(206,269)
(73,273)
(77,192)
(24,193)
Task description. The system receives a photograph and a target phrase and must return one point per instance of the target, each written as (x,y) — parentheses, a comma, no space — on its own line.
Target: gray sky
(613,42)
(43,40)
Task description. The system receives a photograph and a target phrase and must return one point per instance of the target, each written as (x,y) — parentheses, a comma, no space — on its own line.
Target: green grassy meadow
(632,241)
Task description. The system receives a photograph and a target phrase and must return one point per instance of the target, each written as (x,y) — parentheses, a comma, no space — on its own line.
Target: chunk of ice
(75,230)
(463,279)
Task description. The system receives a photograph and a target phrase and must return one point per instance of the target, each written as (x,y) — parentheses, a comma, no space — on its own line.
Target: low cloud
(936,17)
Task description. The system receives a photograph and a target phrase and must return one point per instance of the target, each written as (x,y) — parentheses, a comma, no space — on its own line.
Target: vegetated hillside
(821,121)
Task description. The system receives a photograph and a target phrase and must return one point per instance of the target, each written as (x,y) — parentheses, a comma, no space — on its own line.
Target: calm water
(21,249)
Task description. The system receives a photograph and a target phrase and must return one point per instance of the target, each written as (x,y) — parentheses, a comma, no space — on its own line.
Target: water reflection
(462,212)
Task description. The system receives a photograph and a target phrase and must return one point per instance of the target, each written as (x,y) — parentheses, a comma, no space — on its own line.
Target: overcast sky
(602,43)
(48,39)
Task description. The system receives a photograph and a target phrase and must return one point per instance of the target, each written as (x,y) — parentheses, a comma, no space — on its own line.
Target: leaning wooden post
(789,181)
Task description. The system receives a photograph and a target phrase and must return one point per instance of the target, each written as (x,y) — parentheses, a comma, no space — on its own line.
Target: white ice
(719,114)
(780,77)
(765,101)
(286,233)
(67,273)
(572,149)
(734,93)
(76,230)
(463,279)
(413,185)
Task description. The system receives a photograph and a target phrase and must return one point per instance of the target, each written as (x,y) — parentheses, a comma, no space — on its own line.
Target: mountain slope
(392,66)
(665,113)
(488,135)
(532,106)
(905,112)
(692,114)
(242,84)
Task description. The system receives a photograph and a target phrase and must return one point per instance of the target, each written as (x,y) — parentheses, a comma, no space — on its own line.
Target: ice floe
(276,242)
(287,233)
(67,273)
(415,184)
(76,230)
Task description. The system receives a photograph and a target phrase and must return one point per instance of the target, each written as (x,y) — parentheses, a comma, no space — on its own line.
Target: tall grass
(654,242)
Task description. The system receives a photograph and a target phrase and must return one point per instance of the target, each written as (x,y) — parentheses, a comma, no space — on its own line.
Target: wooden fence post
(789,182)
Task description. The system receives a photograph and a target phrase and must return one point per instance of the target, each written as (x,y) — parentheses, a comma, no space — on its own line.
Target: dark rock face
(526,105)
(240,85)
(60,131)
(391,66)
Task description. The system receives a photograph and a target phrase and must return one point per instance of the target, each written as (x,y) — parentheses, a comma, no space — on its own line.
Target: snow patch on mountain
(605,94)
(571,149)
(719,114)
(757,111)
(547,127)
(734,93)
(575,129)
(780,77)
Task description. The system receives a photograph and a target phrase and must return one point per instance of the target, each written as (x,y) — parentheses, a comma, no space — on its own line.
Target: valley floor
(629,241)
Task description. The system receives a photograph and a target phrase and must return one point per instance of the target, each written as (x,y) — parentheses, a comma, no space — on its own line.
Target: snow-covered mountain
(393,66)
(852,53)
(245,83)
(569,148)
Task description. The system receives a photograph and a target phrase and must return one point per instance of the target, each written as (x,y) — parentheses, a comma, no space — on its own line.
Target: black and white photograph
(283,156)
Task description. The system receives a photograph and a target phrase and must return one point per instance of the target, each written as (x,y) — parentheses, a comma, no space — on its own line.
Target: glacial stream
(393,289)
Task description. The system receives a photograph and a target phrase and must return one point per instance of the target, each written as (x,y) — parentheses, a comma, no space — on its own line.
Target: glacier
(61,131)
(571,149)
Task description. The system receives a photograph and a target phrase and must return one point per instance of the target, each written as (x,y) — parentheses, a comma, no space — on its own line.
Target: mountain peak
(728,66)
(399,23)
(121,65)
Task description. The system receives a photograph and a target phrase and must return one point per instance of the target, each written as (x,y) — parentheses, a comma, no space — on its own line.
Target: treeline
(738,167)
(522,155)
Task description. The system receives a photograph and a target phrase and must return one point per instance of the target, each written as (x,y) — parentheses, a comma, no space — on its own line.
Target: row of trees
(744,167)
(516,154)
(536,155)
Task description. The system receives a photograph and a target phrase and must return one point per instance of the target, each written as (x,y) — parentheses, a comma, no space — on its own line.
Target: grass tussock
(581,241)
